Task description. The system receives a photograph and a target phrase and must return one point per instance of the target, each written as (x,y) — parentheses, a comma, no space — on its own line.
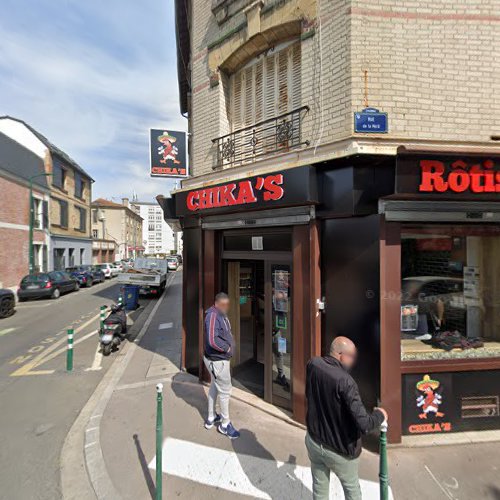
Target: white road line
(96,364)
(5,331)
(164,326)
(246,474)
(446,493)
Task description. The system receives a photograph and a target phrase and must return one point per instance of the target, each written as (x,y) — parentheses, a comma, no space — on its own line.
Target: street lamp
(32,220)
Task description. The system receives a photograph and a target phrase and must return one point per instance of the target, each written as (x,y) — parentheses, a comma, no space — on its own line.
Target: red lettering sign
(242,193)
(460,177)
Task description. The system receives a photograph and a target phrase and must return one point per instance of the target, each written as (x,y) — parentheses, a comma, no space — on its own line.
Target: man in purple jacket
(219,348)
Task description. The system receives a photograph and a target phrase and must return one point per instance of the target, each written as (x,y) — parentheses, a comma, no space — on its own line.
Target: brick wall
(431,66)
(14,240)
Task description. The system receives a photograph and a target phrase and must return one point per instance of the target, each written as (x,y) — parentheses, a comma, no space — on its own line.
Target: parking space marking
(45,354)
(164,326)
(5,331)
(96,364)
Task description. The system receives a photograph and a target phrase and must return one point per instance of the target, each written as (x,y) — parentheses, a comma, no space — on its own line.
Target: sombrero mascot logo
(167,150)
(429,400)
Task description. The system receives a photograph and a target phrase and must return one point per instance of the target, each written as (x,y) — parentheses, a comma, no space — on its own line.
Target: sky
(94,76)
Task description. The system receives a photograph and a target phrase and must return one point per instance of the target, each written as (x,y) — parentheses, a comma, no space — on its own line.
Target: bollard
(159,439)
(69,352)
(102,317)
(383,467)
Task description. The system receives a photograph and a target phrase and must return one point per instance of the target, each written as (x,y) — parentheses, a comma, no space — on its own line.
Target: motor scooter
(114,329)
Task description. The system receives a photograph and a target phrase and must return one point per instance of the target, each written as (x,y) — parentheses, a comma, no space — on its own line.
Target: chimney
(125,202)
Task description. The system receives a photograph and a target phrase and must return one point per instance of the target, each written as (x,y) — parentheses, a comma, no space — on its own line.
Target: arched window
(268,86)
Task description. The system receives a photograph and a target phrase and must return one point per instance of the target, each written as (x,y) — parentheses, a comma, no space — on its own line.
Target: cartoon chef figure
(429,400)
(167,150)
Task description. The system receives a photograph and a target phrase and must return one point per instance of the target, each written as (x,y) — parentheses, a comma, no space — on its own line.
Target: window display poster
(282,345)
(428,403)
(281,279)
(472,284)
(280,300)
(281,322)
(409,318)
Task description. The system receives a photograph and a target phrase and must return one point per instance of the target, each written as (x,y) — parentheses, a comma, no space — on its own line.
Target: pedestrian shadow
(276,479)
(144,466)
(186,387)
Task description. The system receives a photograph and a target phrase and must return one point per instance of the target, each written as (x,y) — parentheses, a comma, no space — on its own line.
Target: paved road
(39,400)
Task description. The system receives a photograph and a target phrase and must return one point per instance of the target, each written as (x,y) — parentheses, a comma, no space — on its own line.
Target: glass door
(280,329)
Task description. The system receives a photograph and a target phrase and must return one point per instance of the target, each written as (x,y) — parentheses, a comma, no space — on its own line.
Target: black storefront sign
(471,177)
(428,405)
(285,188)
(167,151)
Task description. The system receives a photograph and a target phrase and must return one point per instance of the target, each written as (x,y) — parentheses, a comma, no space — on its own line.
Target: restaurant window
(268,86)
(450,292)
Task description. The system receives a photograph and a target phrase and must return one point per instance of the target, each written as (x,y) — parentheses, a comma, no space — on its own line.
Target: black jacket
(336,417)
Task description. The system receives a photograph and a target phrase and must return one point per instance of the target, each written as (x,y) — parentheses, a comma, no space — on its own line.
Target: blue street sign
(371,121)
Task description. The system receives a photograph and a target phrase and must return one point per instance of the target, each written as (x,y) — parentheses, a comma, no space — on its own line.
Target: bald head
(344,350)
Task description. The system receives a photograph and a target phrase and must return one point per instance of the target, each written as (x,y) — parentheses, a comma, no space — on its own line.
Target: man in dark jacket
(219,348)
(336,420)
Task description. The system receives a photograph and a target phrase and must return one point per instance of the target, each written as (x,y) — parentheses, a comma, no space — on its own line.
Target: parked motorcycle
(114,329)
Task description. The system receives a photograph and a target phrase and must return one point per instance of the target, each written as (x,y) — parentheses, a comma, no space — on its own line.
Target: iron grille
(278,134)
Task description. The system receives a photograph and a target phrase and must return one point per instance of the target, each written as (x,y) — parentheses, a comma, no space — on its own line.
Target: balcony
(275,135)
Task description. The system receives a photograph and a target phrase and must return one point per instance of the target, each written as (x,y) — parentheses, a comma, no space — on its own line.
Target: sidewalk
(268,461)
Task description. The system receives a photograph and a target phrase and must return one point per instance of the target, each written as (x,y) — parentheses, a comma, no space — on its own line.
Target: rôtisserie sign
(472,176)
(296,186)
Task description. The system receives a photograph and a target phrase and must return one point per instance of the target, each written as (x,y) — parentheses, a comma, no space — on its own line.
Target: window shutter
(295,76)
(270,88)
(237,101)
(259,91)
(283,98)
(249,97)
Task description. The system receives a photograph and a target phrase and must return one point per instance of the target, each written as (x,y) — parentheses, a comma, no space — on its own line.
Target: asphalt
(39,400)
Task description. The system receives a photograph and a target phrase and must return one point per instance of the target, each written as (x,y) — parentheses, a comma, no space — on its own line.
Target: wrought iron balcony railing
(278,134)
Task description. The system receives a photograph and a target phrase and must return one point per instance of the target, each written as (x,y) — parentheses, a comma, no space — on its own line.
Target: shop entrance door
(261,321)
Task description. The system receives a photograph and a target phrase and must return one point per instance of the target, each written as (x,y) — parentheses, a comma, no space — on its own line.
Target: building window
(79,186)
(40,213)
(266,87)
(59,174)
(95,233)
(63,213)
(450,292)
(82,219)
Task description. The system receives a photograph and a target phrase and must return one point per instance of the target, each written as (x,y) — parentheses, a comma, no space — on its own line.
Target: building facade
(68,208)
(17,166)
(157,236)
(118,223)
(322,216)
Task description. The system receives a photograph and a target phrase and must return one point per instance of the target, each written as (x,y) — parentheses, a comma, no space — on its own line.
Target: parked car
(172,263)
(179,257)
(108,270)
(52,284)
(119,265)
(86,275)
(7,302)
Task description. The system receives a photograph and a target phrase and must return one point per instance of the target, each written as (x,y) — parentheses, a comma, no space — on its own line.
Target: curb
(84,434)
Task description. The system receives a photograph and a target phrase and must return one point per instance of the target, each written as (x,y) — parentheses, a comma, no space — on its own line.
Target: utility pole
(31,257)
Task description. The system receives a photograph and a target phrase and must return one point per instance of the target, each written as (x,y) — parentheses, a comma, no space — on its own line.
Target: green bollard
(159,440)
(102,317)
(69,352)
(383,466)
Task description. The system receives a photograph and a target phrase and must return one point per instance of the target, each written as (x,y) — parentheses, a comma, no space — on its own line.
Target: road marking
(246,474)
(96,364)
(27,369)
(5,331)
(445,491)
(164,326)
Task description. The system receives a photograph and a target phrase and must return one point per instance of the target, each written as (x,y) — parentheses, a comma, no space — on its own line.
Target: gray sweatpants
(220,373)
